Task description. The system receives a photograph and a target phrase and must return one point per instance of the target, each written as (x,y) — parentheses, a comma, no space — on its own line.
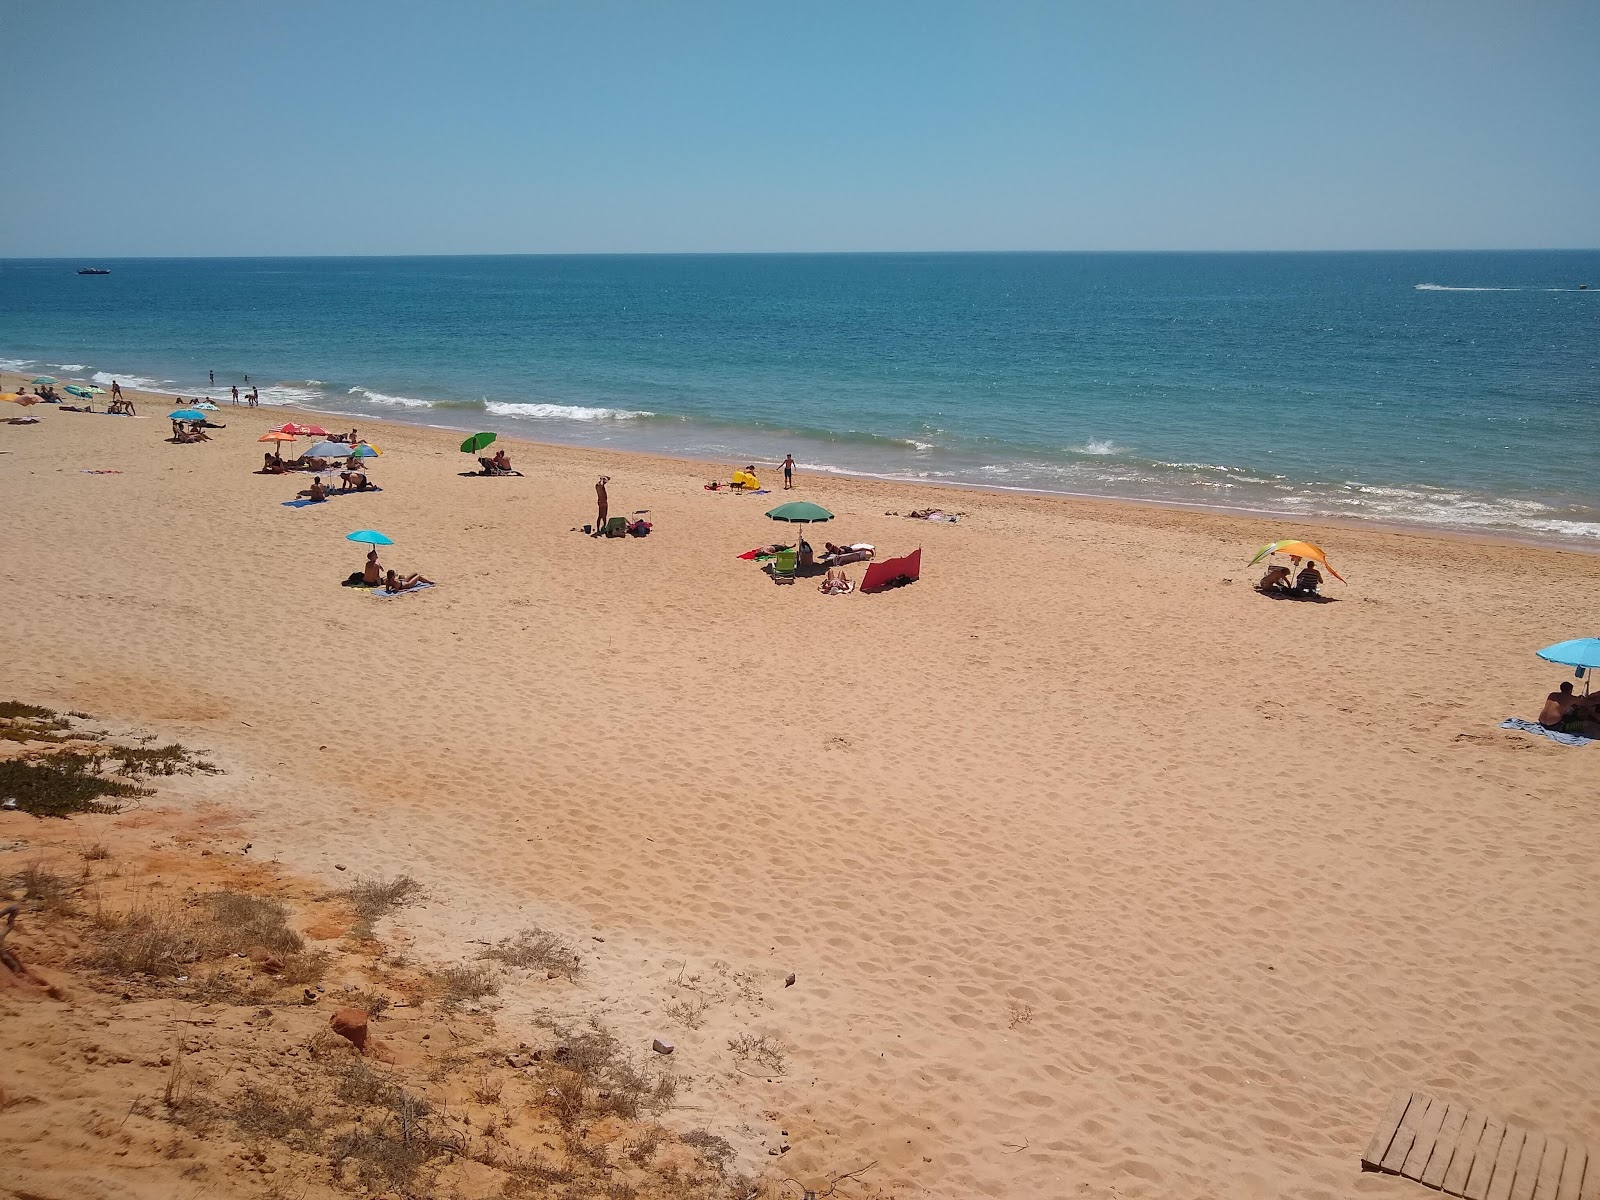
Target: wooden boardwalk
(1462,1152)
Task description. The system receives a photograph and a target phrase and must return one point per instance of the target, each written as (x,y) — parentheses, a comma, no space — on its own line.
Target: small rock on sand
(661,1047)
(351,1024)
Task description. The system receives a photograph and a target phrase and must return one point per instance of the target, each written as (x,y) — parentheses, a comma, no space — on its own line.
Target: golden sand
(1099,873)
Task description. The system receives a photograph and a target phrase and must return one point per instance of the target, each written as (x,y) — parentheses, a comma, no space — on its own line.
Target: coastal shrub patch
(460,984)
(15,710)
(537,949)
(374,899)
(43,887)
(763,1049)
(163,940)
(60,784)
(171,759)
(265,1113)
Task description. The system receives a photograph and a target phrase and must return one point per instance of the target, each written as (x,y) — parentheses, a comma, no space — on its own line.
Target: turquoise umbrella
(1582,654)
(186,414)
(45,379)
(81,392)
(371,537)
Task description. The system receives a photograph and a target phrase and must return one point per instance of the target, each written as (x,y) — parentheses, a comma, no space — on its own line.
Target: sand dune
(1099,874)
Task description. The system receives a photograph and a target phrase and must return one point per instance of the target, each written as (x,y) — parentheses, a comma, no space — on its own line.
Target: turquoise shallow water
(1455,390)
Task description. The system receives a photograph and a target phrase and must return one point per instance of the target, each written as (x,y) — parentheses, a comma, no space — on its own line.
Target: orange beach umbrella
(276,436)
(1296,550)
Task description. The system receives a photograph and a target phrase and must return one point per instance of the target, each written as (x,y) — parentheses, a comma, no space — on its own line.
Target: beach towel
(379,594)
(89,472)
(893,572)
(331,495)
(1555,735)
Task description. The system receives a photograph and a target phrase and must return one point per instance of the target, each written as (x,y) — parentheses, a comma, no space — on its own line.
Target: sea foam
(569,412)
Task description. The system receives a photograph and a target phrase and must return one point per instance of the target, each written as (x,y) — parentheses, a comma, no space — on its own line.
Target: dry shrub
(764,1050)
(537,949)
(391,1152)
(374,899)
(310,966)
(690,1011)
(713,1149)
(487,1087)
(96,852)
(163,939)
(43,887)
(460,984)
(276,1116)
(371,1003)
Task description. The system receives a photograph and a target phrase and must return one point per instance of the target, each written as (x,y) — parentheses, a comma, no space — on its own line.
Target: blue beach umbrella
(371,537)
(186,414)
(328,450)
(1583,654)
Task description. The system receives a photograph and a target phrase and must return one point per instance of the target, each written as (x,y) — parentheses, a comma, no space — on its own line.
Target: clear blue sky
(278,127)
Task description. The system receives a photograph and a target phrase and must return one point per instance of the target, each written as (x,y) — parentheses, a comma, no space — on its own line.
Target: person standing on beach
(788,471)
(602,504)
(236,393)
(116,390)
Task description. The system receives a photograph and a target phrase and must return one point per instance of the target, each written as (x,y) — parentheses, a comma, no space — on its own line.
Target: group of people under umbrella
(784,563)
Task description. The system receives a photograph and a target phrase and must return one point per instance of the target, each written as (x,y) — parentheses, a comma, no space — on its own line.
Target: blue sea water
(1446,389)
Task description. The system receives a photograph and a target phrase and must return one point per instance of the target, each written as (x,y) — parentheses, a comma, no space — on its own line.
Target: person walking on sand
(236,393)
(788,471)
(602,505)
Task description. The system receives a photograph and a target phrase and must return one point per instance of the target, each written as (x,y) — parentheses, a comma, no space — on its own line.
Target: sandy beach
(1098,873)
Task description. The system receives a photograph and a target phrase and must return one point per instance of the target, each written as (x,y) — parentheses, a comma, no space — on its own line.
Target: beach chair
(893,572)
(783,566)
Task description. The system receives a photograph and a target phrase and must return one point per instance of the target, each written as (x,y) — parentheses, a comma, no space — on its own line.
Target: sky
(418,127)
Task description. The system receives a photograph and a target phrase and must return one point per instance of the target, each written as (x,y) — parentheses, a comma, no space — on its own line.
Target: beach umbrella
(82,392)
(370,536)
(800,512)
(186,414)
(1296,550)
(21,399)
(98,391)
(45,379)
(276,435)
(1583,654)
(364,451)
(328,450)
(313,430)
(476,442)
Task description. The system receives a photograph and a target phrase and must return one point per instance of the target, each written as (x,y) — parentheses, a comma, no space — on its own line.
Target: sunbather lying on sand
(836,583)
(392,582)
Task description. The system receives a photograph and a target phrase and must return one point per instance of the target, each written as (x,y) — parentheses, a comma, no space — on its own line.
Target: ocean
(1453,390)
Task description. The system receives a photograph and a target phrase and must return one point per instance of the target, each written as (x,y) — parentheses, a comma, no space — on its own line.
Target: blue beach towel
(378,593)
(1555,735)
(331,495)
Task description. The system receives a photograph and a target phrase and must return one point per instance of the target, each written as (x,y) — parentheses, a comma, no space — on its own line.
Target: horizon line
(23,258)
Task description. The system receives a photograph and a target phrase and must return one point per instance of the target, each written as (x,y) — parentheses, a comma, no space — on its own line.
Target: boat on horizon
(93,271)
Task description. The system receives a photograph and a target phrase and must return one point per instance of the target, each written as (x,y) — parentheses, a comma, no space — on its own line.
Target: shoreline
(719,470)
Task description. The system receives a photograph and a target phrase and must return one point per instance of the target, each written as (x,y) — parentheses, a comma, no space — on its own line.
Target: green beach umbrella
(476,442)
(45,379)
(800,512)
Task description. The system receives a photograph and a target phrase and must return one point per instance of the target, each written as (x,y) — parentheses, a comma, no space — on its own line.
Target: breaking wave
(568,412)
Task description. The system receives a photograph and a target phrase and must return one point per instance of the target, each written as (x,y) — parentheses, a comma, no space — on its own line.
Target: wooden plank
(1572,1173)
(1591,1181)
(1455,1179)
(1405,1134)
(1379,1145)
(1528,1167)
(1444,1149)
(1494,1133)
(1555,1153)
(1505,1164)
(1427,1135)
